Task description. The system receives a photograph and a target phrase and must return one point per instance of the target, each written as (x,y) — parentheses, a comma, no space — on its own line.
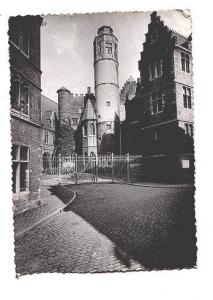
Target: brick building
(25,95)
(159,119)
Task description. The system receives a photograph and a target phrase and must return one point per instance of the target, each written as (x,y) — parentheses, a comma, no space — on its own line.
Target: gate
(94,169)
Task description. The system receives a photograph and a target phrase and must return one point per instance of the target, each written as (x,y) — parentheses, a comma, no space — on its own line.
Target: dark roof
(63,89)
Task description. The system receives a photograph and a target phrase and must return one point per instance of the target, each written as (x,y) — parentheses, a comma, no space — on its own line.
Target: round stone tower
(64,105)
(107,90)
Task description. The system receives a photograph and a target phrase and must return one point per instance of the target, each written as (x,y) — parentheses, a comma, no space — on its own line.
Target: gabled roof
(89,112)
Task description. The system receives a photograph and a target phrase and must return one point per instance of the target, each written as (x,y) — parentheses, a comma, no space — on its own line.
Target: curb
(162,186)
(156,185)
(59,210)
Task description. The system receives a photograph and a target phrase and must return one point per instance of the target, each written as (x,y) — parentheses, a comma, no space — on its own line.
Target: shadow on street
(154,227)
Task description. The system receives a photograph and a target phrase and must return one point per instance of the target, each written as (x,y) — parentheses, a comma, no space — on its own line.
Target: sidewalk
(28,219)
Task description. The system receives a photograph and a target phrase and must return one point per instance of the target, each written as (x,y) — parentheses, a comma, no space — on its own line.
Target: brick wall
(26,131)
(27,135)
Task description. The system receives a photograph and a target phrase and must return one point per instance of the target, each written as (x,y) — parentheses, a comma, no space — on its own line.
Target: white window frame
(185,62)
(187,97)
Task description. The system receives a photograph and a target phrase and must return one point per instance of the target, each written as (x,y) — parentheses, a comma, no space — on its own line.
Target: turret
(107,90)
(64,105)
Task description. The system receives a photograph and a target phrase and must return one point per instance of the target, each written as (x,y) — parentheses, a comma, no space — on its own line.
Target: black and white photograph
(102,134)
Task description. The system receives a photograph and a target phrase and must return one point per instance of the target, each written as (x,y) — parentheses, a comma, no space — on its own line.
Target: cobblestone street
(114,227)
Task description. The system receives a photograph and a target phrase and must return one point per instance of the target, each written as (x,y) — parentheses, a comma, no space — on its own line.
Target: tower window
(116,51)
(99,47)
(108,103)
(185,62)
(108,47)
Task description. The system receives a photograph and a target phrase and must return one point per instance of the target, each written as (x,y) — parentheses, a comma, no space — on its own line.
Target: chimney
(89,90)
(153,16)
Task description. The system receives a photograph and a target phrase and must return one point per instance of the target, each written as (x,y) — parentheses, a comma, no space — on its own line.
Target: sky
(67,46)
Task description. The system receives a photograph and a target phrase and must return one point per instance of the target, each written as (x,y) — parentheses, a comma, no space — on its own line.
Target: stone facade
(159,119)
(25,95)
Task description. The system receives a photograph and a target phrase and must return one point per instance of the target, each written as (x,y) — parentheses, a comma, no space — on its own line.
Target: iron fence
(94,169)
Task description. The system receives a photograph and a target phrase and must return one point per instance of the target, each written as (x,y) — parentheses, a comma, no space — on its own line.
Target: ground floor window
(20,168)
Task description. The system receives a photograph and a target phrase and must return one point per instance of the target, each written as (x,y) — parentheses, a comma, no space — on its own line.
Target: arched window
(85,130)
(92,129)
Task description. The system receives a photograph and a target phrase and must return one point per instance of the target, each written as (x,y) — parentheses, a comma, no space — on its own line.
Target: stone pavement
(114,227)
(50,203)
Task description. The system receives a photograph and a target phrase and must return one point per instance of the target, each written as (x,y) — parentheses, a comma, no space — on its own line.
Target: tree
(66,142)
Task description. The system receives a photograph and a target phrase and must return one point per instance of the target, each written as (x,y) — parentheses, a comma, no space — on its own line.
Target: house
(159,119)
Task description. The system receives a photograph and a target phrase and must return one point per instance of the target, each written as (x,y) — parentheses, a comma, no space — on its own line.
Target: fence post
(59,165)
(127,159)
(96,158)
(112,162)
(76,168)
